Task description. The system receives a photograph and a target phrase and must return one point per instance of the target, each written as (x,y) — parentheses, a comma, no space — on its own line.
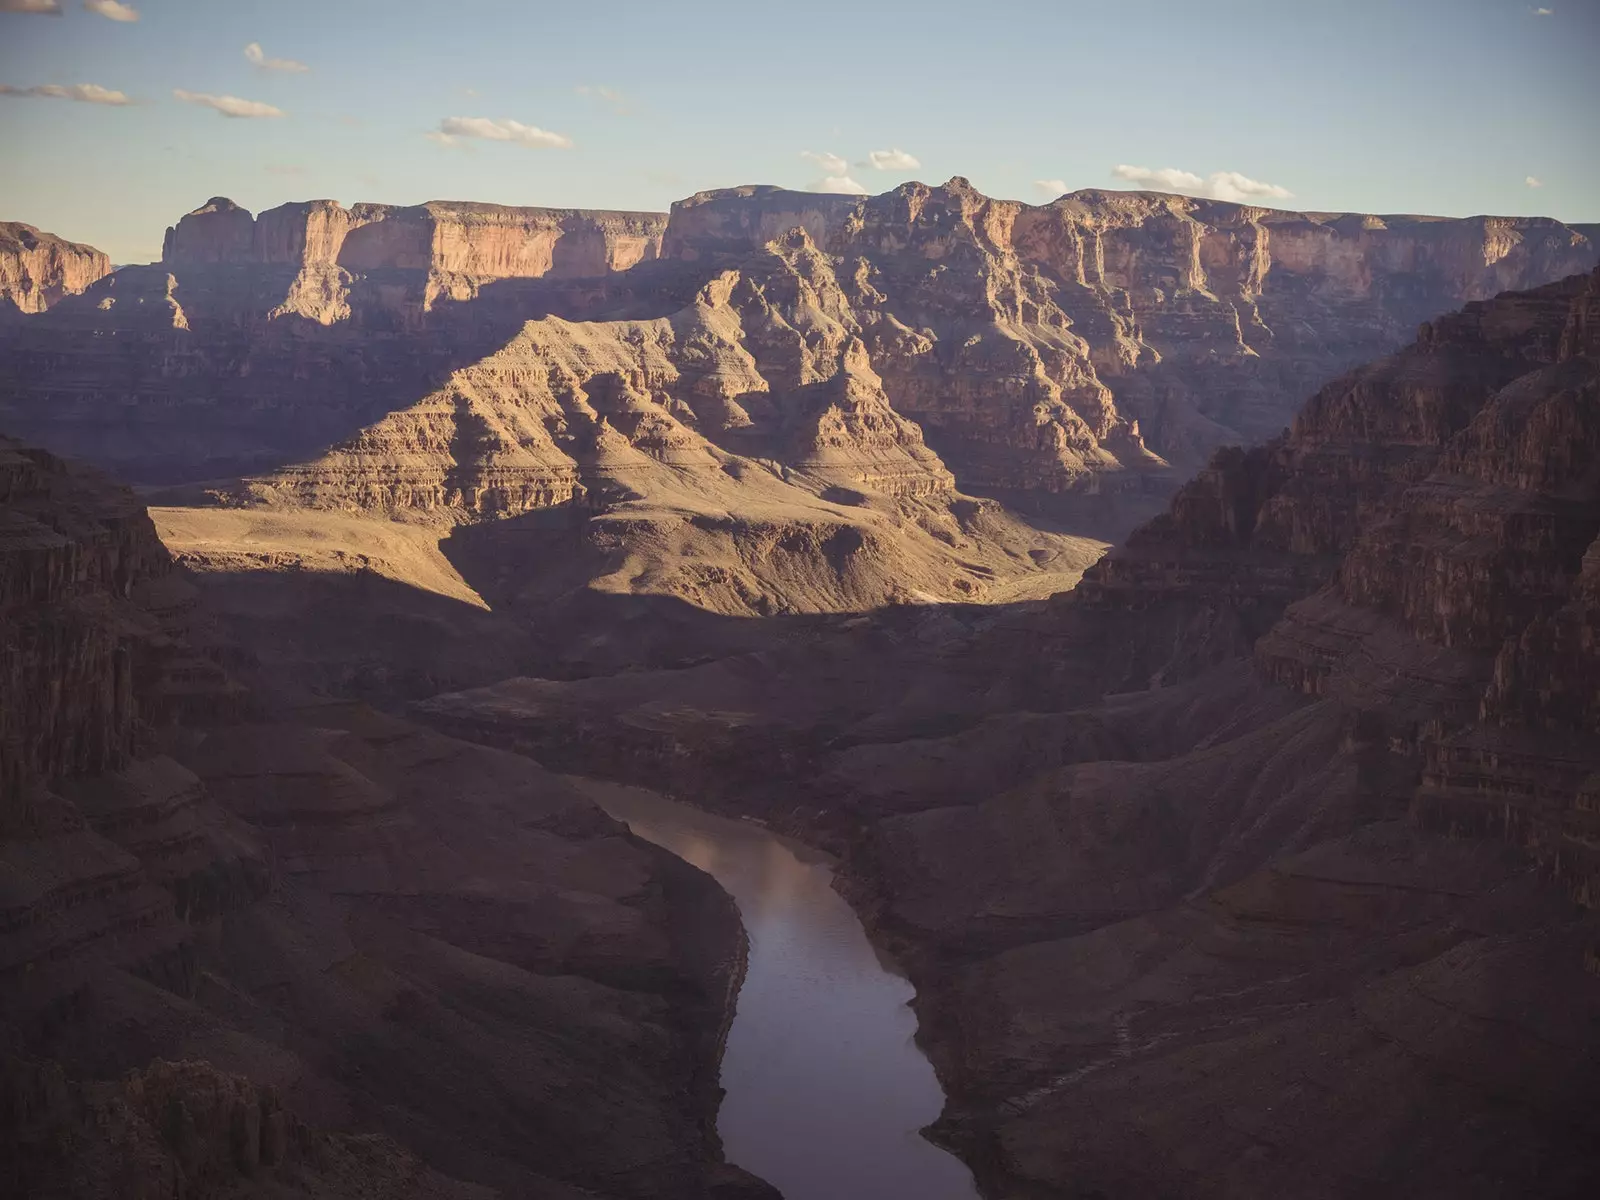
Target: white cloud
(1534,181)
(1219,185)
(831,164)
(1166,178)
(451,129)
(87,93)
(609,96)
(1052,187)
(892,160)
(257,57)
(45,8)
(1230,185)
(112,10)
(228,106)
(839,185)
(1543,12)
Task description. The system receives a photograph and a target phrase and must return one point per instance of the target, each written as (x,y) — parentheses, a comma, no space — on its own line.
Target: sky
(118,116)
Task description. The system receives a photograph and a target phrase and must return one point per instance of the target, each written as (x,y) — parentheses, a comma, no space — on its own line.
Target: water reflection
(825,1088)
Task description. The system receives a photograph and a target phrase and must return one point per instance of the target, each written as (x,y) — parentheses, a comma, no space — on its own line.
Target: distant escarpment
(1094,349)
(1265,862)
(255,947)
(39,269)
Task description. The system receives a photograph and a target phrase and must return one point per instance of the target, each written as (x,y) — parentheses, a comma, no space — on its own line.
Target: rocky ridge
(1070,349)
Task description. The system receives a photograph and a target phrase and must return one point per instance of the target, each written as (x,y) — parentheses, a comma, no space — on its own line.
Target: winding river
(825,1088)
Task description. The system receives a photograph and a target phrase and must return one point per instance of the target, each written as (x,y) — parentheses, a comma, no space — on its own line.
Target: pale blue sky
(1439,106)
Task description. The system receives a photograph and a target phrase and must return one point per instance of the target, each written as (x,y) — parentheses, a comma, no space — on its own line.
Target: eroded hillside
(1264,861)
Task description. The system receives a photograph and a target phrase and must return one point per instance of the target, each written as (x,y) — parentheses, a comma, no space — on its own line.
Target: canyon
(1254,856)
(254,948)
(1263,861)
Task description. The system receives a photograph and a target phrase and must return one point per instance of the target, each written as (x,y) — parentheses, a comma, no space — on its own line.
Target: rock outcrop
(412,966)
(1265,861)
(39,269)
(1096,348)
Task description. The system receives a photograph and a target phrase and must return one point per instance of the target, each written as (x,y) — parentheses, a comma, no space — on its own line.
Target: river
(826,1089)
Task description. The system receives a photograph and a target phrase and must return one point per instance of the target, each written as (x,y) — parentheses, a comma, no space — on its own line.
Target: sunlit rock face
(38,269)
(1098,347)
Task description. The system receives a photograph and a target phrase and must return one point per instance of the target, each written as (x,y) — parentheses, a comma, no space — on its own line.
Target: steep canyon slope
(256,950)
(764,402)
(1263,862)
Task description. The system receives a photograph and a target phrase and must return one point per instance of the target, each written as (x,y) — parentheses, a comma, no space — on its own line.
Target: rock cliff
(38,269)
(1098,346)
(1264,861)
(411,967)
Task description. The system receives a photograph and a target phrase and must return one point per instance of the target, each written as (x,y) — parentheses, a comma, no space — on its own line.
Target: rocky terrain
(38,269)
(252,948)
(1260,862)
(1264,861)
(764,402)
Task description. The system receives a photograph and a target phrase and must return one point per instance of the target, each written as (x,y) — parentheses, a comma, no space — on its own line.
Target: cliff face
(508,986)
(1106,315)
(1100,345)
(484,241)
(38,269)
(1270,844)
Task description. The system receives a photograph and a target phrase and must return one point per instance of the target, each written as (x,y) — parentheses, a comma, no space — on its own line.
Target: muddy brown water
(826,1090)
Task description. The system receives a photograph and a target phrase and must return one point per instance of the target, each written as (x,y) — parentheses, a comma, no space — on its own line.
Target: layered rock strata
(1262,862)
(1098,346)
(249,949)
(38,269)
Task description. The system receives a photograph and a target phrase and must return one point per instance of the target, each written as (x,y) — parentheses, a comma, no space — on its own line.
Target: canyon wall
(1271,844)
(246,950)
(38,269)
(486,241)
(1086,354)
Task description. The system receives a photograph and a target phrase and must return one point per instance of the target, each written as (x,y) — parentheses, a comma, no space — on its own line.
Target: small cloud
(1166,178)
(1230,185)
(891,160)
(43,8)
(257,57)
(112,10)
(1052,187)
(86,93)
(284,169)
(228,106)
(1219,185)
(831,164)
(452,129)
(609,96)
(1543,12)
(471,93)
(1533,181)
(839,185)
(351,122)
